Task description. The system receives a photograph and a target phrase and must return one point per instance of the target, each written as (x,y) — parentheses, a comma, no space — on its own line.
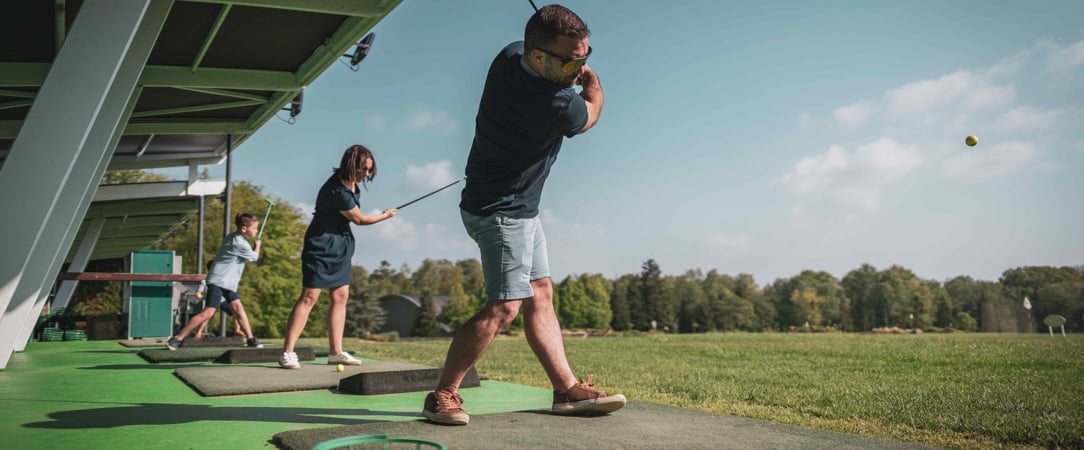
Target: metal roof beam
(194,108)
(353,8)
(193,126)
(208,77)
(9,129)
(15,74)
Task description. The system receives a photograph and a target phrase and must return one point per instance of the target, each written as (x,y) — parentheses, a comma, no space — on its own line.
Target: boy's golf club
(404,205)
(270,205)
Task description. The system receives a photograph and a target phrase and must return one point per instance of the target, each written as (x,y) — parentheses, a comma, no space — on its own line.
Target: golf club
(270,205)
(404,205)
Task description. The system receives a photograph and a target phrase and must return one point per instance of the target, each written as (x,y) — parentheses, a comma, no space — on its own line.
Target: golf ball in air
(339,367)
(971,141)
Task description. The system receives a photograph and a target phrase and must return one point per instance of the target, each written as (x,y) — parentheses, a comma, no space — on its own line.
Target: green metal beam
(9,129)
(61,23)
(16,104)
(182,77)
(192,126)
(18,94)
(14,74)
(33,74)
(195,108)
(353,8)
(223,93)
(211,35)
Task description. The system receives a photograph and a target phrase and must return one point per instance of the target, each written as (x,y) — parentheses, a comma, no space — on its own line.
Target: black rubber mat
(640,425)
(213,381)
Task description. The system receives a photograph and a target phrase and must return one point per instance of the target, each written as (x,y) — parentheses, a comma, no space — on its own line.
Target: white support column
(79,262)
(68,138)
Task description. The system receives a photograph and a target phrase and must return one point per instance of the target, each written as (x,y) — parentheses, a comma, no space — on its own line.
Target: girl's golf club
(404,205)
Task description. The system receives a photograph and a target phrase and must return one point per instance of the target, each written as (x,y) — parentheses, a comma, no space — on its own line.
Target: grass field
(949,390)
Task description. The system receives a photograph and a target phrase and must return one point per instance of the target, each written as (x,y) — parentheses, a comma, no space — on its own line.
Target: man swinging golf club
(528,107)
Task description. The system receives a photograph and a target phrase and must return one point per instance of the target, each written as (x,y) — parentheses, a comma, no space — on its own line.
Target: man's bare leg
(473,338)
(544,335)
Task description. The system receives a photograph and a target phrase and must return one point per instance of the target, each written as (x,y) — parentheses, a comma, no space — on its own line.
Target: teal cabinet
(150,303)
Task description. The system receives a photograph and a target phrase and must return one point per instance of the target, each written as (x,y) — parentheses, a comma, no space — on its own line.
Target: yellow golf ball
(340,368)
(971,141)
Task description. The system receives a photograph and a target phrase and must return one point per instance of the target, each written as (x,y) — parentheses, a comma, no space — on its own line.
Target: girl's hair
(244,219)
(354,161)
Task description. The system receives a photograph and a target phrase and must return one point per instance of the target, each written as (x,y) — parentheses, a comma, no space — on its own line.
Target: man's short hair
(552,21)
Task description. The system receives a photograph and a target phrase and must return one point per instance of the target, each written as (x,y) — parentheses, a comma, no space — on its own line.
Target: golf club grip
(404,205)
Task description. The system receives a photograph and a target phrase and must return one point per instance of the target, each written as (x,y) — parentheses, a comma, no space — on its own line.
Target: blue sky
(747,137)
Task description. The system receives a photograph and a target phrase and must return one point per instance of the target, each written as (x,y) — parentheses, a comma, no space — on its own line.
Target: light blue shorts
(513,253)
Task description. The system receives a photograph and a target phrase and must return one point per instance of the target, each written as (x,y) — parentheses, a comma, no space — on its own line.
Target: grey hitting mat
(227,355)
(213,381)
(640,425)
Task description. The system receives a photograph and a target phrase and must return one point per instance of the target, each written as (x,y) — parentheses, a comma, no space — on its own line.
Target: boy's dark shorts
(218,297)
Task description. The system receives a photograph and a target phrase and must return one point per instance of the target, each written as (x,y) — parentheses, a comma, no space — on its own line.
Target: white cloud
(715,239)
(376,122)
(430,176)
(854,114)
(853,178)
(805,120)
(999,160)
(307,210)
(1025,118)
(1063,59)
(960,89)
(401,235)
(1010,65)
(565,232)
(425,120)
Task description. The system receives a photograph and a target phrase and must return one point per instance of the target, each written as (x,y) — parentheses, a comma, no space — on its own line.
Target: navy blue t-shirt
(522,120)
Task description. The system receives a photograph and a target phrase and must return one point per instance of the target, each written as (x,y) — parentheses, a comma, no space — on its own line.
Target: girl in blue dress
(329,247)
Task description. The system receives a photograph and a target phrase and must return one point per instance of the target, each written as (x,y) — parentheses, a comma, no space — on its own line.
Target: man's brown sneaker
(444,406)
(583,398)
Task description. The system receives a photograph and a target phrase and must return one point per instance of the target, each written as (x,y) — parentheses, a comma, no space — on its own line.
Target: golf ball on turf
(971,141)
(339,367)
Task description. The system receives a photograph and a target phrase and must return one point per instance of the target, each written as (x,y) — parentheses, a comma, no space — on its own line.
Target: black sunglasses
(569,65)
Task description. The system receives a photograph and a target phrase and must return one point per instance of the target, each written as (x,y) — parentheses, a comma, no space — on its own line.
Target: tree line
(692,302)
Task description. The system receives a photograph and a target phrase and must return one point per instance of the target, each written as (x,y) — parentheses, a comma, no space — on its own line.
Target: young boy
(223,278)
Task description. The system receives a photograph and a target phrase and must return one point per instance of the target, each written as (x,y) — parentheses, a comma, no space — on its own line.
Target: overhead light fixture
(295,107)
(360,51)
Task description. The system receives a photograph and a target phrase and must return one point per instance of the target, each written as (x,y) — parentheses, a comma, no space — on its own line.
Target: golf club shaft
(404,205)
(265,216)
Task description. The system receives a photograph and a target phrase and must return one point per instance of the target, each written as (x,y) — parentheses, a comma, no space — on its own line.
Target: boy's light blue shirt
(229,263)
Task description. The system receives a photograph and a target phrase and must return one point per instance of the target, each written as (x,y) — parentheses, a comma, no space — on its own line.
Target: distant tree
(693,314)
(438,276)
(584,302)
(1035,281)
(473,281)
(620,304)
(458,309)
(858,286)
(425,324)
(809,295)
(966,297)
(657,302)
(131,176)
(363,312)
